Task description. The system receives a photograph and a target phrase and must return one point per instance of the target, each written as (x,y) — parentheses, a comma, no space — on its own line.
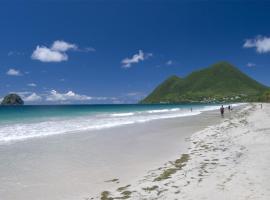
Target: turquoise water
(25,122)
(41,112)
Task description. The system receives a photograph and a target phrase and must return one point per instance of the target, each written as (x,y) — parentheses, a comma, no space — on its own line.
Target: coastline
(229,160)
(43,121)
(72,166)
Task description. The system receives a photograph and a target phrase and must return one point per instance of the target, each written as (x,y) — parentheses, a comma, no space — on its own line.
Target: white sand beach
(75,166)
(196,157)
(227,161)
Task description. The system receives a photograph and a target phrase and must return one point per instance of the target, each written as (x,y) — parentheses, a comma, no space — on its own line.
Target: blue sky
(118,51)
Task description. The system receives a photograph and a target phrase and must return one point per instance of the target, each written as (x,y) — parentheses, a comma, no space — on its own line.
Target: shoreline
(228,160)
(49,125)
(72,166)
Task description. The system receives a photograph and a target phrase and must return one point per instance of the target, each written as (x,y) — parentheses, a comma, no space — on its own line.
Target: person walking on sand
(222,111)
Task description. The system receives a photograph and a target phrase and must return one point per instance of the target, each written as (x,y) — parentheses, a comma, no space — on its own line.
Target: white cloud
(261,43)
(28,96)
(45,54)
(141,56)
(169,62)
(14,72)
(251,64)
(32,98)
(56,53)
(32,85)
(60,45)
(56,97)
(69,96)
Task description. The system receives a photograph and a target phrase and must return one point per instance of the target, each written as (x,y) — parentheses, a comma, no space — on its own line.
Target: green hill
(217,83)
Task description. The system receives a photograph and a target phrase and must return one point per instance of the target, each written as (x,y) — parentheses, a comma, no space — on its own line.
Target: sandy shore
(230,160)
(79,165)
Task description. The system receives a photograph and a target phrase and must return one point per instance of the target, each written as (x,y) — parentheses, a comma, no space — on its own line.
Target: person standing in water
(222,111)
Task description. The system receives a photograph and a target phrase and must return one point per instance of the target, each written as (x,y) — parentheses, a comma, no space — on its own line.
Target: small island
(12,100)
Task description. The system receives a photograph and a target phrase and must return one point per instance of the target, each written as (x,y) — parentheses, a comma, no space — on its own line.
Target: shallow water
(25,122)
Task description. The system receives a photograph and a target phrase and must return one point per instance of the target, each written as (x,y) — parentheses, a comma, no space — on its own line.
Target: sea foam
(63,125)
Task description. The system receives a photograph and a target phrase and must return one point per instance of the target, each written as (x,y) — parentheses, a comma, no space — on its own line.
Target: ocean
(26,122)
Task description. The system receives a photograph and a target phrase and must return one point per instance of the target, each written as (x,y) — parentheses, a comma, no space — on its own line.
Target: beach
(229,160)
(202,156)
(82,164)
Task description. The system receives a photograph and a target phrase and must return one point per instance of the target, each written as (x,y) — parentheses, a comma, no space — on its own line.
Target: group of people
(222,109)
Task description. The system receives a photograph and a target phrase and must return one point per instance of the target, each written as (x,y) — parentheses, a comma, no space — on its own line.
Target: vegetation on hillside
(221,82)
(265,97)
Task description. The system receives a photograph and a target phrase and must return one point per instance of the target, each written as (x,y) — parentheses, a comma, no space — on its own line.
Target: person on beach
(222,111)
(229,107)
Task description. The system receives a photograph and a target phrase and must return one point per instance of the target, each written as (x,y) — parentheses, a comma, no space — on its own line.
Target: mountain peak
(224,65)
(221,81)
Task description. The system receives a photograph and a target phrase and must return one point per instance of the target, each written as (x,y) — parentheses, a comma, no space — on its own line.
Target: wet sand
(80,165)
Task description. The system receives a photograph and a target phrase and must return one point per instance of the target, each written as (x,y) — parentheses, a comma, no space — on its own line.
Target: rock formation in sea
(12,99)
